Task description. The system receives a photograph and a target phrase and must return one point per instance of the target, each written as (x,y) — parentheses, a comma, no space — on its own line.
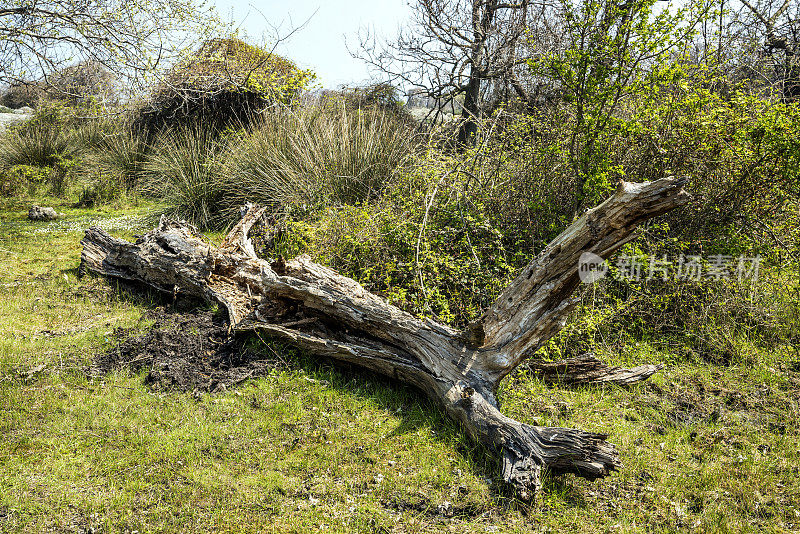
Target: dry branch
(333,316)
(587,369)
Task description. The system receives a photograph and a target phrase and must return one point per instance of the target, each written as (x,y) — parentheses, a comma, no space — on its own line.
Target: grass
(40,146)
(186,171)
(310,447)
(319,154)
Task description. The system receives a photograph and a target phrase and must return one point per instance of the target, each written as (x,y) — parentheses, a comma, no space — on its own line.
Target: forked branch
(333,316)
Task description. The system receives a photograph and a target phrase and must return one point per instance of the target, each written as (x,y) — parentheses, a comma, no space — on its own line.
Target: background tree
(778,24)
(38,38)
(604,52)
(457,49)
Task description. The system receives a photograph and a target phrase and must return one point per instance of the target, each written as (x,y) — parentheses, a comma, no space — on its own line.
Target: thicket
(224,83)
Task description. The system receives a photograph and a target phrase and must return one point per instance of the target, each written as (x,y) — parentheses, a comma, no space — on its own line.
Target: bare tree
(779,25)
(40,37)
(457,49)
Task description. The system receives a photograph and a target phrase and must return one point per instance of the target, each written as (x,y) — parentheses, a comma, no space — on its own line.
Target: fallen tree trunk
(333,316)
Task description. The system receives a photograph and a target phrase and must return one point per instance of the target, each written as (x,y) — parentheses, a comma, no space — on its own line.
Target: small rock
(24,110)
(37,213)
(445,509)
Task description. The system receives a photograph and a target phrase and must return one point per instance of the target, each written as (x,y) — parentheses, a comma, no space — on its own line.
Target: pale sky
(322,44)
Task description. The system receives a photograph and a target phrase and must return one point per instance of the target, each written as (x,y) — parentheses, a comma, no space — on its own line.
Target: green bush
(225,83)
(23,178)
(420,244)
(742,155)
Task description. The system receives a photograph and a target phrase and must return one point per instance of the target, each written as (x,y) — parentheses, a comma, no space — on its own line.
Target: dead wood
(587,369)
(332,316)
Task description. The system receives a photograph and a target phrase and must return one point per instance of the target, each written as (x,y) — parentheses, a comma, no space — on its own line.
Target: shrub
(227,82)
(419,244)
(20,95)
(99,189)
(742,155)
(11,182)
(85,83)
(382,97)
(23,178)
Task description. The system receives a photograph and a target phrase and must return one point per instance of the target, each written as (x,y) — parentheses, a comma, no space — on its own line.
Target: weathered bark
(333,316)
(587,369)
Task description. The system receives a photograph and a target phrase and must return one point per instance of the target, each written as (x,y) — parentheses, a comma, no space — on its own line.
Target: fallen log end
(556,451)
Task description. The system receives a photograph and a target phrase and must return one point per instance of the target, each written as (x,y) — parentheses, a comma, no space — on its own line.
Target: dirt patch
(188,352)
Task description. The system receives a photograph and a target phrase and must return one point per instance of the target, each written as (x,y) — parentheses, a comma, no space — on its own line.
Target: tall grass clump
(328,152)
(185,170)
(47,141)
(123,156)
(114,167)
(41,142)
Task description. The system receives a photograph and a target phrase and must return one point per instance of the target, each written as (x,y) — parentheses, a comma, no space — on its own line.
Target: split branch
(332,316)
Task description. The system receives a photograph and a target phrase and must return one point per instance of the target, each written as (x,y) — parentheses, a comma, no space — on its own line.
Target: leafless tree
(456,51)
(779,25)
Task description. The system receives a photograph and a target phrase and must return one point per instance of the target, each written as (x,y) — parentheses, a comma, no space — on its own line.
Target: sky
(322,44)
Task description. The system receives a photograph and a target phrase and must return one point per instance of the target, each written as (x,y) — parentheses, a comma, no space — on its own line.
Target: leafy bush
(382,97)
(227,82)
(420,244)
(23,178)
(742,154)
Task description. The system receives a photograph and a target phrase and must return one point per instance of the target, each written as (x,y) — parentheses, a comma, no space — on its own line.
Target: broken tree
(333,316)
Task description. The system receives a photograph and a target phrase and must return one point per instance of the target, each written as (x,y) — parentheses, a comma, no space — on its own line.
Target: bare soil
(190,351)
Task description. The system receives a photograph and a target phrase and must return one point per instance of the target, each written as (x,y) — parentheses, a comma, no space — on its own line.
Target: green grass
(310,447)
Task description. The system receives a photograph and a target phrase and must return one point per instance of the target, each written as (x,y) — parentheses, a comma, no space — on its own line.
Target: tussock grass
(41,146)
(305,157)
(315,154)
(123,156)
(185,170)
